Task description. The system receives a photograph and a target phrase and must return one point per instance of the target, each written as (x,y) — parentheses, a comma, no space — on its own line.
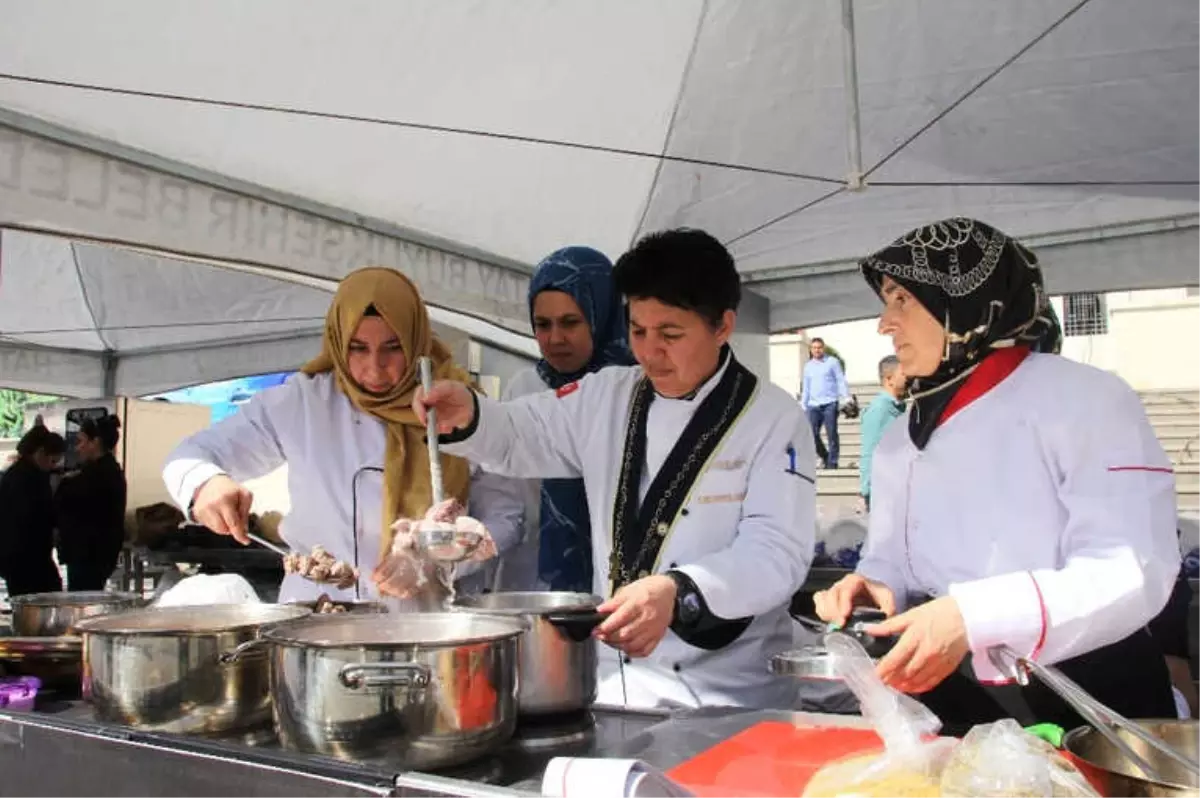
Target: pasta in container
(992,760)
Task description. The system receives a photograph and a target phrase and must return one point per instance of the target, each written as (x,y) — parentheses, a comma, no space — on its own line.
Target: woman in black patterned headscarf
(985,289)
(1039,523)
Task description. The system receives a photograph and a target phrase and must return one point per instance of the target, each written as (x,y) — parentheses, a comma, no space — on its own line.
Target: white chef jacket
(312,426)
(1045,507)
(745,536)
(520,566)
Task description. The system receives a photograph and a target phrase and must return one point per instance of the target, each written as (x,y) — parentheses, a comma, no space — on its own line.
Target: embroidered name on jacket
(721,498)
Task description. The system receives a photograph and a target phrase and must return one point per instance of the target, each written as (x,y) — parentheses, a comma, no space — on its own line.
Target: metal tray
(64,648)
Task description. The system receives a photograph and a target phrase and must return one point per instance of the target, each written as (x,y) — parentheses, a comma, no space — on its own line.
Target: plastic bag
(204,589)
(407,570)
(911,763)
(1001,758)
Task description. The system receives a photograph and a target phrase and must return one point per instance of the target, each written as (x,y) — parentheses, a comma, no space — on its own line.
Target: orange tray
(770,759)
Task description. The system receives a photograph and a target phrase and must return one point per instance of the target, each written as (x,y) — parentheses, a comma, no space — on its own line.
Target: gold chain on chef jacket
(617,560)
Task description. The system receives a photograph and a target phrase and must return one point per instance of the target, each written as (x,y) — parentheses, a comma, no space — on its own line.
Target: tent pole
(109,360)
(854,179)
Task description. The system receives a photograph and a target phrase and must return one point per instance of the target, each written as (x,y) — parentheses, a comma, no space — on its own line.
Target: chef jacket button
(684,511)
(677,667)
(626,660)
(673,565)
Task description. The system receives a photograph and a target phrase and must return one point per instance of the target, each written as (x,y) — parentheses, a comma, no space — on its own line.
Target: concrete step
(1180,450)
(1169,397)
(1172,410)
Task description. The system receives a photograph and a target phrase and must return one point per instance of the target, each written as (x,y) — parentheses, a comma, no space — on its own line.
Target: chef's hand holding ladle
(223,506)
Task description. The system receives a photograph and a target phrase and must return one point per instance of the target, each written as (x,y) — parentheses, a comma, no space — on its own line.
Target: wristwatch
(688,604)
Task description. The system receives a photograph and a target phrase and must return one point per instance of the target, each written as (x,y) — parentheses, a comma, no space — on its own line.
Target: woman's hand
(835,604)
(639,615)
(453,402)
(223,506)
(933,641)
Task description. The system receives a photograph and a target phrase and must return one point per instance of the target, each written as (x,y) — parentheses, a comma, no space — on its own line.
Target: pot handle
(361,675)
(229,657)
(577,626)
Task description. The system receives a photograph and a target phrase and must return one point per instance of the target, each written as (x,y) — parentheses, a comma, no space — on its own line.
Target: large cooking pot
(558,655)
(415,690)
(168,669)
(54,614)
(1108,769)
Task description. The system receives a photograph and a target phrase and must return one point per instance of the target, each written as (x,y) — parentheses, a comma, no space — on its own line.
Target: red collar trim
(991,372)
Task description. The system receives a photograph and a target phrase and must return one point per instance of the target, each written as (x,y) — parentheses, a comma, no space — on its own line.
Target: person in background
(1026,505)
(580,326)
(822,390)
(27,515)
(90,507)
(885,408)
(356,453)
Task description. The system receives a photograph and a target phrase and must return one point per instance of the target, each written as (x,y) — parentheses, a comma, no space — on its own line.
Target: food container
(52,614)
(17,694)
(168,669)
(1105,766)
(558,655)
(812,663)
(55,661)
(417,691)
(816,662)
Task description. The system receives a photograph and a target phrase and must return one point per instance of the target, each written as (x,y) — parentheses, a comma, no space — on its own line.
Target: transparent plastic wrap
(1002,759)
(205,589)
(913,757)
(410,566)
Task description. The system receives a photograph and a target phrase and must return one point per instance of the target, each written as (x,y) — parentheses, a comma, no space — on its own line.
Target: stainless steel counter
(60,750)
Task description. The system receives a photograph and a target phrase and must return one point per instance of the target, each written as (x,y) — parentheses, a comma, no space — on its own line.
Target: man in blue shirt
(822,389)
(885,408)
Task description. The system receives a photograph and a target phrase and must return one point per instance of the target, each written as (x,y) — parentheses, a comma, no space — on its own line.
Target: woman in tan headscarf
(355,451)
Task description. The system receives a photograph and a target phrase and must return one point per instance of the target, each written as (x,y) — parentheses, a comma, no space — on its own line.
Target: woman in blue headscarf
(581,327)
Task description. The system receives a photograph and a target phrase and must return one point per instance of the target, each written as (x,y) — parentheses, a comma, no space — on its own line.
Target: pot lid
(425,629)
(208,618)
(532,602)
(76,599)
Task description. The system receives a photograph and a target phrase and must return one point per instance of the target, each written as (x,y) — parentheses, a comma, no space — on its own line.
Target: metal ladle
(1103,719)
(443,544)
(284,553)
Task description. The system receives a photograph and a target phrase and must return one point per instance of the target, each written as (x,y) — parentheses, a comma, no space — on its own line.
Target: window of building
(1084,314)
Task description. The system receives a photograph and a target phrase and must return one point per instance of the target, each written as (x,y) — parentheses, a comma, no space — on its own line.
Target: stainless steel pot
(416,690)
(54,614)
(1104,764)
(168,669)
(558,655)
(53,660)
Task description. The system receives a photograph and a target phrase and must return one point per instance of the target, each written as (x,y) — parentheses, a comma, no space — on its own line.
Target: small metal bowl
(811,663)
(447,544)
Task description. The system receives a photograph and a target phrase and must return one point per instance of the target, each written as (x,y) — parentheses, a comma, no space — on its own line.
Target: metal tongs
(444,544)
(1103,719)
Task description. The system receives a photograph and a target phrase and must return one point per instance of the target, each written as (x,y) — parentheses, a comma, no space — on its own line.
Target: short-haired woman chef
(343,421)
(1025,498)
(699,484)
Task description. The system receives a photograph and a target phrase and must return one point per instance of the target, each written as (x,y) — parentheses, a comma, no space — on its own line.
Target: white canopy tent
(90,320)
(461,141)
